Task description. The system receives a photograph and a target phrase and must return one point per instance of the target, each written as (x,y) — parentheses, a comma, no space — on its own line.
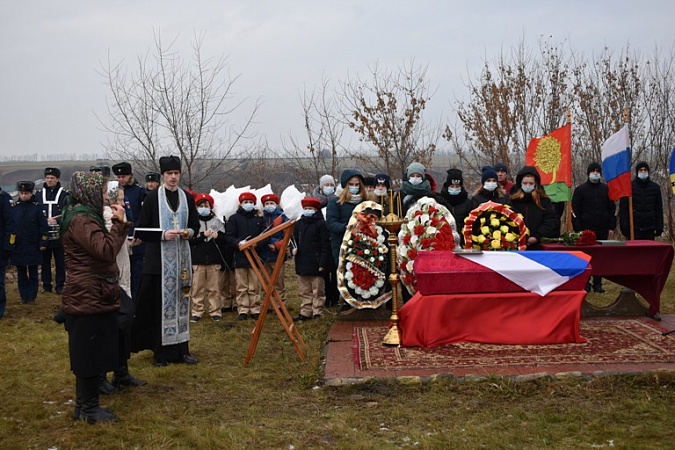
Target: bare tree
(173,106)
(321,150)
(386,112)
(517,97)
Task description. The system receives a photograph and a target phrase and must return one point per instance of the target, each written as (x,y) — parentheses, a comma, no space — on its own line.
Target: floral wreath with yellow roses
(493,226)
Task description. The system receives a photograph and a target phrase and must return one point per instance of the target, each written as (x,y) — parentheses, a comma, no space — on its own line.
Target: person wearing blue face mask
(339,209)
(274,216)
(325,190)
(592,209)
(530,200)
(312,259)
(419,184)
(489,189)
(647,206)
(207,249)
(245,224)
(458,198)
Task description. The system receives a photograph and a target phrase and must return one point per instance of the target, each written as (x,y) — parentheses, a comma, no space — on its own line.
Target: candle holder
(392,223)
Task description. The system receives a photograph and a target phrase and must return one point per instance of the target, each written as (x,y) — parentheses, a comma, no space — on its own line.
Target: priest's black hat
(167,163)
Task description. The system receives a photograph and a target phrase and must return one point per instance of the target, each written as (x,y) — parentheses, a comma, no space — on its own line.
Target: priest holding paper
(167,221)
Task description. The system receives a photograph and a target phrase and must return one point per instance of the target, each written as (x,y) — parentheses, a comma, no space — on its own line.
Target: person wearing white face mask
(530,200)
(647,206)
(208,249)
(245,224)
(419,184)
(454,193)
(489,189)
(381,192)
(592,209)
(312,259)
(325,190)
(339,210)
(274,216)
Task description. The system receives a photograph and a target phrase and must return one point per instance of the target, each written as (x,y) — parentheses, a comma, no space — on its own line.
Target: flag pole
(630,198)
(569,203)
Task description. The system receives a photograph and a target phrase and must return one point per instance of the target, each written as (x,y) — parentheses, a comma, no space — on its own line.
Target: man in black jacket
(647,206)
(593,210)
(51,199)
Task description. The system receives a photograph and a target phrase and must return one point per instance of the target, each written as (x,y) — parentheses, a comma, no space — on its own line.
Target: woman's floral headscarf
(86,197)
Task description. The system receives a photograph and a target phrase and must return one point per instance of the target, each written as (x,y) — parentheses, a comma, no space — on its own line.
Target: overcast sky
(50,51)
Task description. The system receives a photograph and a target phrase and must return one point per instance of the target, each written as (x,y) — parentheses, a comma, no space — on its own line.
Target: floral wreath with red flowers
(364,259)
(430,226)
(493,226)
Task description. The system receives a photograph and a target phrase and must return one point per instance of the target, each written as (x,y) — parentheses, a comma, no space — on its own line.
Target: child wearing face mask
(245,224)
(325,191)
(312,259)
(530,200)
(419,184)
(454,193)
(381,193)
(489,189)
(207,249)
(274,216)
(339,209)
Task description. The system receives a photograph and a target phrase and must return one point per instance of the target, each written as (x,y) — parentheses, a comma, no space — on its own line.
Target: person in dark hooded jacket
(245,224)
(489,190)
(647,206)
(454,193)
(593,210)
(312,259)
(530,200)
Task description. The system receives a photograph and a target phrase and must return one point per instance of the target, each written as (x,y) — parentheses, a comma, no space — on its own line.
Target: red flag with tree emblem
(552,156)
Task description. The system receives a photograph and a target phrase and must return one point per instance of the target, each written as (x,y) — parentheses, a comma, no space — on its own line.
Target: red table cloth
(497,318)
(639,265)
(447,273)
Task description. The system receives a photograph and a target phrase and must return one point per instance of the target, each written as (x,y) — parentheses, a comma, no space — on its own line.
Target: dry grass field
(279,402)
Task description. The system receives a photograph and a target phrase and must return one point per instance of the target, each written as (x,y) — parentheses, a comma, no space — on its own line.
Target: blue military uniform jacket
(7,227)
(31,233)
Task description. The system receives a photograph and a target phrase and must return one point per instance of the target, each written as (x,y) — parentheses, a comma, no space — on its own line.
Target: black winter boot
(78,399)
(122,377)
(90,409)
(105,388)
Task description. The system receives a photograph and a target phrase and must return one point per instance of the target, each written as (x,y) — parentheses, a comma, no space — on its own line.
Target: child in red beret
(245,224)
(312,258)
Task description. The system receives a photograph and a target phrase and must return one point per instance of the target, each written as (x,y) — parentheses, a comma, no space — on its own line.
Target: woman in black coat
(530,200)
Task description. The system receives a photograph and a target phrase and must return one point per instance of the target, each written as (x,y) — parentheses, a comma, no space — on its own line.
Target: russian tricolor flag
(535,271)
(616,164)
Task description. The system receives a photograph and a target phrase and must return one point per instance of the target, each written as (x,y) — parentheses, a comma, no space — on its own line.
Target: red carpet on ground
(610,341)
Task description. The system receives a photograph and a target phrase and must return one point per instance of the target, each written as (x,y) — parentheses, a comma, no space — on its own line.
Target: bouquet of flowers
(493,226)
(429,226)
(586,237)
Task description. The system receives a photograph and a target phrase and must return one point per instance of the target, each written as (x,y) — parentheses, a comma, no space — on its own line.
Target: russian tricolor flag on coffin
(616,164)
(539,272)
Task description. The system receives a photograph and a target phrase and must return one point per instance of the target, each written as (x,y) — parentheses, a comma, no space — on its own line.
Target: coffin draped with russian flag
(539,272)
(616,164)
